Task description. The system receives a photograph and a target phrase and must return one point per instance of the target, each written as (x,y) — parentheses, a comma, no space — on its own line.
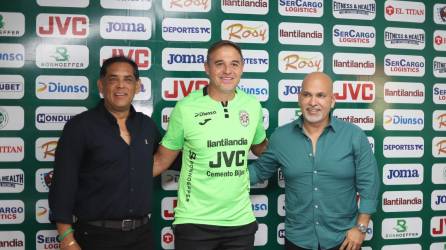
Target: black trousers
(207,237)
(290,246)
(98,238)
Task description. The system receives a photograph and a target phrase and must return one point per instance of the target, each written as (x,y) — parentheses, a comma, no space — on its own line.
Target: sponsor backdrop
(387,59)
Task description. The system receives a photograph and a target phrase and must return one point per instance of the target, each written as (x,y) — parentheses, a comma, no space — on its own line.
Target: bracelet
(69,244)
(64,234)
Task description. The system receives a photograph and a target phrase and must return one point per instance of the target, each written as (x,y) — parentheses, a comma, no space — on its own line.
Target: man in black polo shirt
(103,168)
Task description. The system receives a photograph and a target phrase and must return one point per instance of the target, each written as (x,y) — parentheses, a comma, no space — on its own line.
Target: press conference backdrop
(387,59)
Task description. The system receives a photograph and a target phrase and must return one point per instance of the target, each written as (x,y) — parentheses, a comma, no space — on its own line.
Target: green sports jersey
(215,139)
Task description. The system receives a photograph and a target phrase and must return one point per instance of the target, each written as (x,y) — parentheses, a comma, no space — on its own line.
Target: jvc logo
(140,56)
(183,88)
(361,92)
(438,231)
(228,158)
(62,26)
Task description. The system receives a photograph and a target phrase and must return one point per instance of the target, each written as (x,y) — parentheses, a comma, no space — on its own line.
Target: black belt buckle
(127,225)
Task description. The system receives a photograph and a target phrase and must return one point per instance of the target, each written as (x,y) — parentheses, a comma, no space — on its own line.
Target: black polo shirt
(97,175)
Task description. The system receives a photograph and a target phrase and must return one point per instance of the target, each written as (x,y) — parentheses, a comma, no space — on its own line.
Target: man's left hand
(353,240)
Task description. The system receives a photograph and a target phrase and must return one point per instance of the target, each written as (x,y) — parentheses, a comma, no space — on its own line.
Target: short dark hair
(117,59)
(223,43)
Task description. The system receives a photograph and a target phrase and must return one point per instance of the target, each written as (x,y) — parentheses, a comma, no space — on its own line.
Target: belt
(123,225)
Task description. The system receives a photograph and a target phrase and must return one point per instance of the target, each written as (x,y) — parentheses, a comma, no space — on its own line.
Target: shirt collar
(101,108)
(333,124)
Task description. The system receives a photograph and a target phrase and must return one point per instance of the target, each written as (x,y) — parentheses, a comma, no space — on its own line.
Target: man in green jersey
(215,128)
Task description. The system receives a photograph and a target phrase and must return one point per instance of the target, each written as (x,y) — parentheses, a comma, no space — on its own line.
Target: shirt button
(133,169)
(310,154)
(131,189)
(317,222)
(315,171)
(316,206)
(131,210)
(315,189)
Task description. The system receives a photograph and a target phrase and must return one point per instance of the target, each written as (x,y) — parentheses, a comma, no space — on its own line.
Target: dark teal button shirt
(321,188)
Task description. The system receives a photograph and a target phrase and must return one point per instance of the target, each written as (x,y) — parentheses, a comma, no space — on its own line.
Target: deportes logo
(42,211)
(183,59)
(439,120)
(300,62)
(62,87)
(439,147)
(360,9)
(354,36)
(12,24)
(62,26)
(241,31)
(44,176)
(354,92)
(126,27)
(289,90)
(11,118)
(12,149)
(12,180)
(404,65)
(403,174)
(12,87)
(12,212)
(181,29)
(54,118)
(51,56)
(187,5)
(402,38)
(47,239)
(256,87)
(307,8)
(403,147)
(438,200)
(259,205)
(174,89)
(354,64)
(401,228)
(140,55)
(12,55)
(255,60)
(11,240)
(439,93)
(46,148)
(363,118)
(439,65)
(404,92)
(127,4)
(301,33)
(255,7)
(439,173)
(402,201)
(438,226)
(404,11)
(403,119)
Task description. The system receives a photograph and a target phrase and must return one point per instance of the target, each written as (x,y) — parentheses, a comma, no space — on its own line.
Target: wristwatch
(362,228)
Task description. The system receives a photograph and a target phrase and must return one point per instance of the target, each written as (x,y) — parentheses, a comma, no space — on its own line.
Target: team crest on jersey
(244,118)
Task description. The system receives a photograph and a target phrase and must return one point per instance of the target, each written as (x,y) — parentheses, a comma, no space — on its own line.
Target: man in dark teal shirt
(325,162)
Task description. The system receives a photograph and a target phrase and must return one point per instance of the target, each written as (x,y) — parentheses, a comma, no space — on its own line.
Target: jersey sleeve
(174,137)
(260,134)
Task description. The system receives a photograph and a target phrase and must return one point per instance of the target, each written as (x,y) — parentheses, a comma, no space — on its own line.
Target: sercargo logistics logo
(354,91)
(12,87)
(403,147)
(52,56)
(439,67)
(439,147)
(12,149)
(12,24)
(401,228)
(259,204)
(405,11)
(301,33)
(62,26)
(403,119)
(439,93)
(182,29)
(301,62)
(440,13)
(256,87)
(187,5)
(354,36)
(174,89)
(363,118)
(255,60)
(140,55)
(46,148)
(12,212)
(241,31)
(12,180)
(11,118)
(404,92)
(359,9)
(403,38)
(126,27)
(54,118)
(12,240)
(183,59)
(12,55)
(438,226)
(354,64)
(439,120)
(62,87)
(255,7)
(169,180)
(44,177)
(439,173)
(42,211)
(64,3)
(438,200)
(289,90)
(305,8)
(261,235)
(439,40)
(47,239)
(402,201)
(127,4)
(403,174)
(404,65)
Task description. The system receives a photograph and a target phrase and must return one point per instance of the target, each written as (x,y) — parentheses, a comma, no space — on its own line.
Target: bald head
(320,79)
